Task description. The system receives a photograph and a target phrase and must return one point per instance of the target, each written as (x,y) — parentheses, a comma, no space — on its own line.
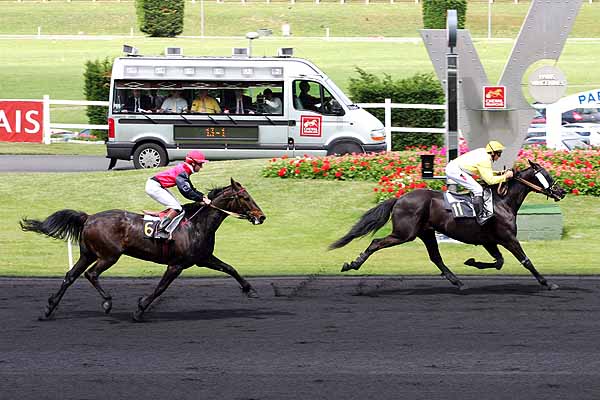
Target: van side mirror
(335,108)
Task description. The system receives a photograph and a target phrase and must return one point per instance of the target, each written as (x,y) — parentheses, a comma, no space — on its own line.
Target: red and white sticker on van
(310,125)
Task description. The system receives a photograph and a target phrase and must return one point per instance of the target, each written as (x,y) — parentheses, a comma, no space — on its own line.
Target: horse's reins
(233,214)
(531,185)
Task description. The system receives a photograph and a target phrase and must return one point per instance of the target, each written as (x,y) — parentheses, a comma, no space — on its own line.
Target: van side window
(199,97)
(312,96)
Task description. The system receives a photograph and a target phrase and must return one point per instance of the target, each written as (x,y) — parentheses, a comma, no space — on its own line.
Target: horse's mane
(191,208)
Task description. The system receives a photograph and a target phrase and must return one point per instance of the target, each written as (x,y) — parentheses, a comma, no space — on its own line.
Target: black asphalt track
(305,338)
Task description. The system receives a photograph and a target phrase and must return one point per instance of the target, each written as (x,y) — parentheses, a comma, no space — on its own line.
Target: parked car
(578,115)
(86,134)
(566,133)
(569,140)
(589,130)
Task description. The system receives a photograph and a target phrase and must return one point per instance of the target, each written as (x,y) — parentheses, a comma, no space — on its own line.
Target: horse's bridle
(538,189)
(236,196)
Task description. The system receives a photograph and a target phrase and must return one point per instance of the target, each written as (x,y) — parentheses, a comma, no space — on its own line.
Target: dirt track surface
(305,338)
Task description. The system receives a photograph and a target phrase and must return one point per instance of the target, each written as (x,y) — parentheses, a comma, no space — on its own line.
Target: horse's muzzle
(257,218)
(557,193)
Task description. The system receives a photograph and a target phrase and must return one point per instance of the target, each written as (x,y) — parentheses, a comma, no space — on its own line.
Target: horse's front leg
(494,252)
(515,248)
(214,263)
(172,272)
(428,237)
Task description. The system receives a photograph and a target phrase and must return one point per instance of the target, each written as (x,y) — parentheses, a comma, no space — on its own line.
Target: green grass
(55,67)
(303,217)
(401,19)
(33,67)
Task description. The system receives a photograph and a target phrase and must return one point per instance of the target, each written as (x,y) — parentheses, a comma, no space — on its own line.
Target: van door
(315,116)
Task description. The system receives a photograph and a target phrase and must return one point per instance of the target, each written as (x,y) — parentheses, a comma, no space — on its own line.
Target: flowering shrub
(398,173)
(577,171)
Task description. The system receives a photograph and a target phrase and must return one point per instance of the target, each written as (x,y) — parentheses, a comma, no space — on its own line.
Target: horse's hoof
(138,315)
(553,286)
(251,293)
(107,306)
(470,262)
(345,267)
(47,314)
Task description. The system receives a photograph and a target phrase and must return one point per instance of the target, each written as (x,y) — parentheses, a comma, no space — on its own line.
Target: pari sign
(21,121)
(494,97)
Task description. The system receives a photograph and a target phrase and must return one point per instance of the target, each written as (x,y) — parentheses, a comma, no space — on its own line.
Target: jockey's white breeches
(162,195)
(463,178)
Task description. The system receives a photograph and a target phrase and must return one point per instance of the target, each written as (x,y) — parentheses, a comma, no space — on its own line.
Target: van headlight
(378,134)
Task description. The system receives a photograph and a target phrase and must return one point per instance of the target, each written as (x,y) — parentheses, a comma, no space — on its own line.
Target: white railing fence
(48,125)
(389,129)
(387,105)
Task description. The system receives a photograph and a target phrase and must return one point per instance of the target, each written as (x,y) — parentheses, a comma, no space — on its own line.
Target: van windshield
(198,97)
(339,94)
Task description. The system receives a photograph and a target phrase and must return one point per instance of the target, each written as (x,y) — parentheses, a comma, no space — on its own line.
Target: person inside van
(235,102)
(179,175)
(308,102)
(174,103)
(272,104)
(205,103)
(157,99)
(138,102)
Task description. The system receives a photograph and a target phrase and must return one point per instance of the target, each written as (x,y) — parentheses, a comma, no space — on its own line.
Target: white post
(70,253)
(326,33)
(388,123)
(342,1)
(46,119)
(130,31)
(366,1)
(490,18)
(39,30)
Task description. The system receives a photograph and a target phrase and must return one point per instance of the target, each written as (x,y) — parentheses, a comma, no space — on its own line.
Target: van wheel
(342,148)
(149,155)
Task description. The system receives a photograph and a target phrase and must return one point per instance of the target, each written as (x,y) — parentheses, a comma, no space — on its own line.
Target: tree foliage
(418,89)
(160,18)
(434,13)
(97,88)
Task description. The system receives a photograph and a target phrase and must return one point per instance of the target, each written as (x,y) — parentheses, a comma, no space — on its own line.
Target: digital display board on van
(215,133)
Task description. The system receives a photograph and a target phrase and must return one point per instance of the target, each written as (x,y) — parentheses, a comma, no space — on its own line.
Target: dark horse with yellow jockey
(421,213)
(104,237)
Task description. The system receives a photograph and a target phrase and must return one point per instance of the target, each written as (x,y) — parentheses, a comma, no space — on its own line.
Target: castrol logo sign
(494,97)
(21,121)
(310,125)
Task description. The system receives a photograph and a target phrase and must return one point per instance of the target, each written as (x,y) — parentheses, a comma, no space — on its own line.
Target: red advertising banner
(494,97)
(21,121)
(310,125)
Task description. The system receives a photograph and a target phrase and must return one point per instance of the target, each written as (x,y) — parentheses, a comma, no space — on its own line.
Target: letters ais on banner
(21,121)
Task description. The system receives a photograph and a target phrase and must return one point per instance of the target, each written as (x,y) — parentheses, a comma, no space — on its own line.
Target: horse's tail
(371,221)
(64,224)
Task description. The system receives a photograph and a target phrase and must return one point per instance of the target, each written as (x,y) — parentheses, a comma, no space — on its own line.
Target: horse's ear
(234,184)
(531,163)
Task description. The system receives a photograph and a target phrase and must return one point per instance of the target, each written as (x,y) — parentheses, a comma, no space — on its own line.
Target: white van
(231,108)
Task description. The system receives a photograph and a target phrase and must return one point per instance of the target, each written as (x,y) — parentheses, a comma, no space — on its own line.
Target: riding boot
(162,227)
(479,211)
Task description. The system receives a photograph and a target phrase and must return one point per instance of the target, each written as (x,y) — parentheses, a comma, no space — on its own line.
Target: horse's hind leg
(92,275)
(218,265)
(172,272)
(85,259)
(494,252)
(376,244)
(515,248)
(428,237)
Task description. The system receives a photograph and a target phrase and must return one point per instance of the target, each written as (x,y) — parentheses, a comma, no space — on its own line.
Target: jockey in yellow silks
(478,162)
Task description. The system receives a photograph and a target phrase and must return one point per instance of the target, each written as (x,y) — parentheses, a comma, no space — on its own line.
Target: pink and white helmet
(195,157)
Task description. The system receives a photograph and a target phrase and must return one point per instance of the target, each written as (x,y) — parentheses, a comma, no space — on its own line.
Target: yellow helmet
(494,146)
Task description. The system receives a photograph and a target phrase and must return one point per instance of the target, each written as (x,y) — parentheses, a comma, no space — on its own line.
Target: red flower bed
(398,173)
